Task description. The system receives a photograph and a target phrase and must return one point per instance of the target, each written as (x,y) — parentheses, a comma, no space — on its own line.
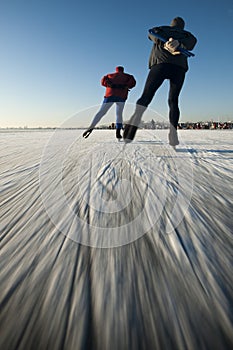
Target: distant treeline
(206,125)
(143,125)
(182,125)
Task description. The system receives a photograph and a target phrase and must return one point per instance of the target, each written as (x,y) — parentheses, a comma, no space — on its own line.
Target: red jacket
(118,84)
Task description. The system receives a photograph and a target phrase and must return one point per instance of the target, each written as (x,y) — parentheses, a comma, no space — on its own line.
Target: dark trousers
(158,73)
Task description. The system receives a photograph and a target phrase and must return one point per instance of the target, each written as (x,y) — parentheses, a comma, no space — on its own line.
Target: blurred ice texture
(167,289)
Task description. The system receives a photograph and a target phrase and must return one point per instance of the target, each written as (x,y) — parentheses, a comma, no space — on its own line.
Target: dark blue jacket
(160,55)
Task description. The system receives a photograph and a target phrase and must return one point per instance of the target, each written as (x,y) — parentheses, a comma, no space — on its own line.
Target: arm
(132,82)
(181,48)
(105,81)
(188,42)
(152,37)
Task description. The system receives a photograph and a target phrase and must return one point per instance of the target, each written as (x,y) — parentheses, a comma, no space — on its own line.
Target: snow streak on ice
(109,193)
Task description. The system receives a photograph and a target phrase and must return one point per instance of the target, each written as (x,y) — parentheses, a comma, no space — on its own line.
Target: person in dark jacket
(117,87)
(165,62)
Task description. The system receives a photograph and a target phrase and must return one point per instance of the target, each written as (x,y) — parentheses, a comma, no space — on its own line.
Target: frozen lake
(108,246)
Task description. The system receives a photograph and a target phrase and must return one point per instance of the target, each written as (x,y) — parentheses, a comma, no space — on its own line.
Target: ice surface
(163,219)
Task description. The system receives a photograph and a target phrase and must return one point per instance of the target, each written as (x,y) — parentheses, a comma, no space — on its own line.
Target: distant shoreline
(182,126)
(152,125)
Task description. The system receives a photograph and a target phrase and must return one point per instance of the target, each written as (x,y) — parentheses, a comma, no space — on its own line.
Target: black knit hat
(178,22)
(119,69)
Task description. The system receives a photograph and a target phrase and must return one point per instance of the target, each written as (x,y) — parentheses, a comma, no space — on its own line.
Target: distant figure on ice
(165,62)
(117,87)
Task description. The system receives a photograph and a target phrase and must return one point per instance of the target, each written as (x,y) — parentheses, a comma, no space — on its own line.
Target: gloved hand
(171,45)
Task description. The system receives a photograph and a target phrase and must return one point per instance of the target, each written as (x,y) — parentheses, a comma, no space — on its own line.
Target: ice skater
(165,62)
(117,87)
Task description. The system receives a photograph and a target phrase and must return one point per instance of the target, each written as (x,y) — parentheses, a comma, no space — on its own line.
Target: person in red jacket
(117,87)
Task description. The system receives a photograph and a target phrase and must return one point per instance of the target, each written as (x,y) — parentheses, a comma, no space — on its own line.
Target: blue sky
(54,53)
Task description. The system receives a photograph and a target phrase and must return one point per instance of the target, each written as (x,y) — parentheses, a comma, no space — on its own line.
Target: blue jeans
(106,105)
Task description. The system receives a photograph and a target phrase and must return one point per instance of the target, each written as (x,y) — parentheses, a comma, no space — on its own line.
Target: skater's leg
(119,114)
(176,83)
(119,118)
(154,80)
(99,115)
(173,98)
(103,110)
